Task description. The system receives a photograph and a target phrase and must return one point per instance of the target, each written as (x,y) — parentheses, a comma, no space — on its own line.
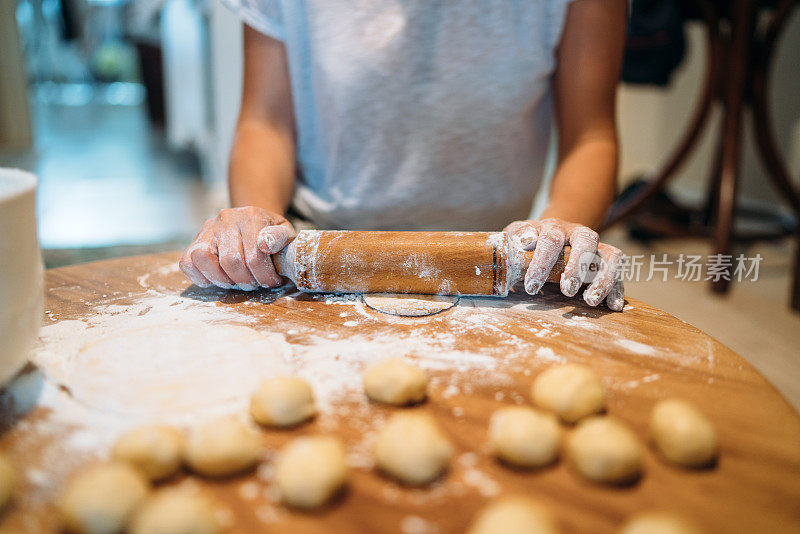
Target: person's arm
(262,162)
(233,249)
(585,82)
(584,85)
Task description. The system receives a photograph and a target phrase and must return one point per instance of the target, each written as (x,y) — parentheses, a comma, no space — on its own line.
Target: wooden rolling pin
(428,263)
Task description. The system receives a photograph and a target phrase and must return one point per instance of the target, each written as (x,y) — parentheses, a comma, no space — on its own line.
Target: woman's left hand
(547,237)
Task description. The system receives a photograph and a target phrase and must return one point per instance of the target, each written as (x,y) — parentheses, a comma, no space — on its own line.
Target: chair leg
(738,61)
(796,281)
(726,197)
(711,203)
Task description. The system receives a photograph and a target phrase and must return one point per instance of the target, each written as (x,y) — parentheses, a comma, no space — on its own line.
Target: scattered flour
(635,346)
(482,482)
(168,269)
(412,524)
(544,332)
(38,477)
(167,358)
(583,322)
(451,391)
(631,384)
(249,490)
(468,459)
(269,514)
(547,354)
(163,357)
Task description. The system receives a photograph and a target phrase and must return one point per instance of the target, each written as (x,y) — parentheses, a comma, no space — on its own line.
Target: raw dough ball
(571,391)
(8,480)
(156,450)
(513,515)
(394,381)
(524,437)
(658,523)
(311,470)
(682,434)
(283,401)
(222,447)
(101,499)
(412,449)
(605,450)
(175,511)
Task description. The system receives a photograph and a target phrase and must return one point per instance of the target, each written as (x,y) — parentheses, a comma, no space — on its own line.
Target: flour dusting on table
(156,356)
(635,346)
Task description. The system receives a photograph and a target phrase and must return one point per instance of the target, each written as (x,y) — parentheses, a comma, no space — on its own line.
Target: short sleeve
(558,15)
(266,16)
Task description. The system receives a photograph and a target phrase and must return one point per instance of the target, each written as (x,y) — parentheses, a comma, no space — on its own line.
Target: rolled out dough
(409,305)
(170,370)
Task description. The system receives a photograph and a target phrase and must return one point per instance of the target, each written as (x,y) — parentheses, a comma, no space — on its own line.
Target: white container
(21,273)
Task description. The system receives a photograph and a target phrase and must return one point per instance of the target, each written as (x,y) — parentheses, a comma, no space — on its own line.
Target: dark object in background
(656,213)
(70,17)
(691,11)
(152,72)
(655,42)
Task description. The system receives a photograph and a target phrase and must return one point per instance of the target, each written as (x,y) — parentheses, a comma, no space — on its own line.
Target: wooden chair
(737,75)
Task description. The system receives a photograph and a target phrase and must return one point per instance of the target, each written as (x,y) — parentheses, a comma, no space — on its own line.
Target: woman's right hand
(232,250)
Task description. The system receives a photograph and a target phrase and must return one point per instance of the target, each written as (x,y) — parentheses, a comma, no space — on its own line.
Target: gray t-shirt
(417,114)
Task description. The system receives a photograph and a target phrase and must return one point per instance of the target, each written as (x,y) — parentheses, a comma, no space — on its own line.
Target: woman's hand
(233,249)
(547,237)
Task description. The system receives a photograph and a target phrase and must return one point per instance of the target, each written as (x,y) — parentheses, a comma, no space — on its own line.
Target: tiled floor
(109,188)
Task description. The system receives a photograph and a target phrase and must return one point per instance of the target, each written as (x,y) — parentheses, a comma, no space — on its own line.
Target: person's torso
(417,114)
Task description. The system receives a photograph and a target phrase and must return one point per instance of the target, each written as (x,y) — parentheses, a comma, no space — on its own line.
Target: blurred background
(125,109)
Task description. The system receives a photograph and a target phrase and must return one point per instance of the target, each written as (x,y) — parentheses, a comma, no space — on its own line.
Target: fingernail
(246,287)
(570,286)
(204,285)
(527,239)
(592,298)
(223,285)
(617,302)
(269,240)
(533,284)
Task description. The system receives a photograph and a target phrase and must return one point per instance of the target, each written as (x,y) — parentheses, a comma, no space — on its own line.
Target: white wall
(225,50)
(182,40)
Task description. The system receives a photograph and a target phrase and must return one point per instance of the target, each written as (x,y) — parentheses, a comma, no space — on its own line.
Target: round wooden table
(482,354)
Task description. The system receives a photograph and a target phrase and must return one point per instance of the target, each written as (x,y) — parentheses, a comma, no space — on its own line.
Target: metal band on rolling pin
(444,263)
